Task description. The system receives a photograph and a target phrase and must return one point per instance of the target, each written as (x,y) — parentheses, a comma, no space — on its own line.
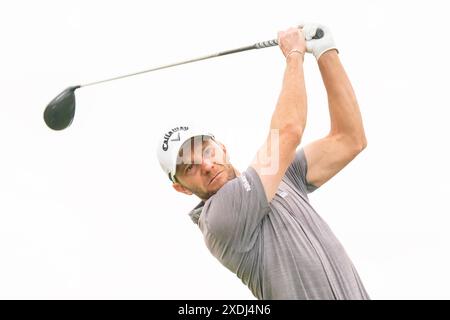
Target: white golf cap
(170,143)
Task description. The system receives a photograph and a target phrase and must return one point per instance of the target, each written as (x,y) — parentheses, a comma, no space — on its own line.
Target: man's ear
(224,149)
(178,187)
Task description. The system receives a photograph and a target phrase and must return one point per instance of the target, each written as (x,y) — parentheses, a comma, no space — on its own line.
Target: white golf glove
(318,46)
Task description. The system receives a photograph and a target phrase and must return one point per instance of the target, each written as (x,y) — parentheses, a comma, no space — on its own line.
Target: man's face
(202,167)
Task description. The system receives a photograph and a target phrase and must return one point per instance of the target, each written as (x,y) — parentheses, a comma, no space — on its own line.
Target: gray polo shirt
(280,249)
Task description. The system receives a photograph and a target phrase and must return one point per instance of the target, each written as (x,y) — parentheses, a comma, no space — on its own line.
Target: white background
(87,213)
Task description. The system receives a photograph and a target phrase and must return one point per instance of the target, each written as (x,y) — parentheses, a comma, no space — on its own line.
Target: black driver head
(60,111)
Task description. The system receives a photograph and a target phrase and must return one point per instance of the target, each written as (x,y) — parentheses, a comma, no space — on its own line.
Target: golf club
(60,112)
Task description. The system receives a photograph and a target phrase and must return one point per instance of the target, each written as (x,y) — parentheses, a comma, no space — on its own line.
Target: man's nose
(207,165)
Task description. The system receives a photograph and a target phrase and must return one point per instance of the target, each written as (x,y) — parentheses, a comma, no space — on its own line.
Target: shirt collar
(195,213)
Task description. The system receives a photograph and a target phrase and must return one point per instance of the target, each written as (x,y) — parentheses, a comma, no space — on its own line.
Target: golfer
(259,223)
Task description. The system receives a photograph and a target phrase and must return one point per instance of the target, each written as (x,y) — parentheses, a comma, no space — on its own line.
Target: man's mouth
(217,174)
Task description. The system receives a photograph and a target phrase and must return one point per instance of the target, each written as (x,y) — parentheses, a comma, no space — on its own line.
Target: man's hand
(292,40)
(318,46)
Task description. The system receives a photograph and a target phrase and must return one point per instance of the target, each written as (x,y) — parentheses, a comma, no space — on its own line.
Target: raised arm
(346,139)
(289,118)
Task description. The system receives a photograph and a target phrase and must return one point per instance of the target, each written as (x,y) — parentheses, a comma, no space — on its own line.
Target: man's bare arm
(289,118)
(346,139)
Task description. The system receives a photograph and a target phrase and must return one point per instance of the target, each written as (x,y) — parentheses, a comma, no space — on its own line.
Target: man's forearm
(344,110)
(291,109)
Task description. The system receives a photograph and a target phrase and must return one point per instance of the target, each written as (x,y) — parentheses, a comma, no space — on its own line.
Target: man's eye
(208,151)
(188,168)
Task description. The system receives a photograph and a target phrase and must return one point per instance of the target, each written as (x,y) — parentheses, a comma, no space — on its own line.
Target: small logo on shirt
(283,194)
(245,182)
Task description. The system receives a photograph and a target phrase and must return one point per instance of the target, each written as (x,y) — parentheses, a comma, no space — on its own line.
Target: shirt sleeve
(234,214)
(296,173)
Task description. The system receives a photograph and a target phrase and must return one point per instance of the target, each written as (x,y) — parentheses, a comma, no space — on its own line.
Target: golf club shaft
(259,45)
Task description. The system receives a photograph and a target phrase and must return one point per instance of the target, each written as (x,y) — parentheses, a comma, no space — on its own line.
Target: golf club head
(59,113)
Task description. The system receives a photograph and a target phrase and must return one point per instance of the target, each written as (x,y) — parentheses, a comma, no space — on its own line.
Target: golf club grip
(271,43)
(266,44)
